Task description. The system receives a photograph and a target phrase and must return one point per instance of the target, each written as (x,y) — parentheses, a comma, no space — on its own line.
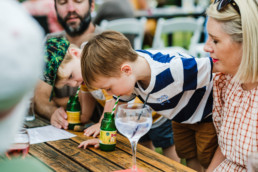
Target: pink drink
(18,150)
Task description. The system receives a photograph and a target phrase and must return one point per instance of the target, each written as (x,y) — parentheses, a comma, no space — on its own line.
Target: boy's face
(119,86)
(71,74)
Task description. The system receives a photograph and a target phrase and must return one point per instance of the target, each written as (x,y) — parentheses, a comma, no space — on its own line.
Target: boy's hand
(92,130)
(91,142)
(59,118)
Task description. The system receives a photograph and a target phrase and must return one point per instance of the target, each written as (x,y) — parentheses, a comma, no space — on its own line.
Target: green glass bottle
(108,132)
(73,111)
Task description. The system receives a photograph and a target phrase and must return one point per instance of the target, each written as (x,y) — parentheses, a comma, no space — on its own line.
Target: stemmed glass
(20,146)
(133,120)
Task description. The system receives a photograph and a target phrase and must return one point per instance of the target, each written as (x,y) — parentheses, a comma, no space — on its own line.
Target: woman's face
(226,53)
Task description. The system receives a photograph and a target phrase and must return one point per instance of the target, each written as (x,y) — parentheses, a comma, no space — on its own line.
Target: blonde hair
(104,54)
(67,59)
(242,28)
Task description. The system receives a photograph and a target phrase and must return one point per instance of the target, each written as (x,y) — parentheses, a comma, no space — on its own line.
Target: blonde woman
(232,44)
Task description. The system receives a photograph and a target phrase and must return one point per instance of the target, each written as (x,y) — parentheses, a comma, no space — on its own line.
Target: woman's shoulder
(221,80)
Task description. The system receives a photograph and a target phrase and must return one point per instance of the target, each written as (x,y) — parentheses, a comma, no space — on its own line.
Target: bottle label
(73,117)
(107,137)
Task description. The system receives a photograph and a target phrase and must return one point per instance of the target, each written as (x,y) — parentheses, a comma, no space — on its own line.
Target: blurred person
(151,23)
(21,52)
(233,40)
(44,8)
(114,9)
(75,17)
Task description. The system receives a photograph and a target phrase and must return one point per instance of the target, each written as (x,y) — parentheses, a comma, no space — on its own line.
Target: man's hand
(92,130)
(59,118)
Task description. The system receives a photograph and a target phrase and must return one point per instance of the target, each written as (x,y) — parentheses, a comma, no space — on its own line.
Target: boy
(179,85)
(63,68)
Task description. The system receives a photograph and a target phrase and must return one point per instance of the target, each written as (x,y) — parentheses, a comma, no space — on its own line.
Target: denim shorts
(161,136)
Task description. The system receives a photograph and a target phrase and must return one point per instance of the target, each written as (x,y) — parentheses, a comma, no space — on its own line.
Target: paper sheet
(47,133)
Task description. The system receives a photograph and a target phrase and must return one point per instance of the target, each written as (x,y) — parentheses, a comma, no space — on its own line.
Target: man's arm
(50,110)
(216,160)
(43,106)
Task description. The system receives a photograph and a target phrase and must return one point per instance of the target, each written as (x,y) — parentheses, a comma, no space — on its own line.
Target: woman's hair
(104,54)
(67,59)
(242,28)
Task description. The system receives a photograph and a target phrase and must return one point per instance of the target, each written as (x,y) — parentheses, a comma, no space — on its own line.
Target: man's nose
(70,6)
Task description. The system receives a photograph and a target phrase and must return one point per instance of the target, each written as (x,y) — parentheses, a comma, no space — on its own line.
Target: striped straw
(114,108)
(77,92)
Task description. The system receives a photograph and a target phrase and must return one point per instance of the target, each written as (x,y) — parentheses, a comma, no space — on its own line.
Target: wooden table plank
(38,122)
(86,157)
(93,157)
(54,159)
(152,157)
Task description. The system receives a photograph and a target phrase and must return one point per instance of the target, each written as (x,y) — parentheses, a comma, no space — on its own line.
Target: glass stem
(134,147)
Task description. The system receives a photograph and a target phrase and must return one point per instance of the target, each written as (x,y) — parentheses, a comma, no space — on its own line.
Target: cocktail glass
(133,120)
(20,146)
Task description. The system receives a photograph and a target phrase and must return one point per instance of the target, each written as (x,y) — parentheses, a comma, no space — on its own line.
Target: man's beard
(75,31)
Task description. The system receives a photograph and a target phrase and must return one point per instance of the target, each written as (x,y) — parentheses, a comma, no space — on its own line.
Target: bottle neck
(73,103)
(108,115)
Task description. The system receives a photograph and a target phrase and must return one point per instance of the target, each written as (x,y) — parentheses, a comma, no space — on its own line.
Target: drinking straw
(77,92)
(144,104)
(114,108)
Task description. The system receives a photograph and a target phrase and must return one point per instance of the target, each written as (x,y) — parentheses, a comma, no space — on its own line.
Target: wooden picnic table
(64,155)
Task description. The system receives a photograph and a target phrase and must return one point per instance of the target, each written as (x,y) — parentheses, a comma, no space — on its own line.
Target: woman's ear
(126,69)
(75,52)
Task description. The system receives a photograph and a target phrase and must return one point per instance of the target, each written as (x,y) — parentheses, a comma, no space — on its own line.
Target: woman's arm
(216,160)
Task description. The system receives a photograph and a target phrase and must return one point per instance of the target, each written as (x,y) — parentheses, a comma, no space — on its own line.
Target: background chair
(131,26)
(182,24)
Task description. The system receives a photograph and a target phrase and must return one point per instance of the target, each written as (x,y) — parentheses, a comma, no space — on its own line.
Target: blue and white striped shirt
(180,87)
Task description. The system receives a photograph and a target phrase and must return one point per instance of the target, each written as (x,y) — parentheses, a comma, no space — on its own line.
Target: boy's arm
(88,103)
(90,142)
(95,129)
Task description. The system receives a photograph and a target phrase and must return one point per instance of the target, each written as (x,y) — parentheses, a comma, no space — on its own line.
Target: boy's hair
(242,28)
(67,59)
(104,54)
